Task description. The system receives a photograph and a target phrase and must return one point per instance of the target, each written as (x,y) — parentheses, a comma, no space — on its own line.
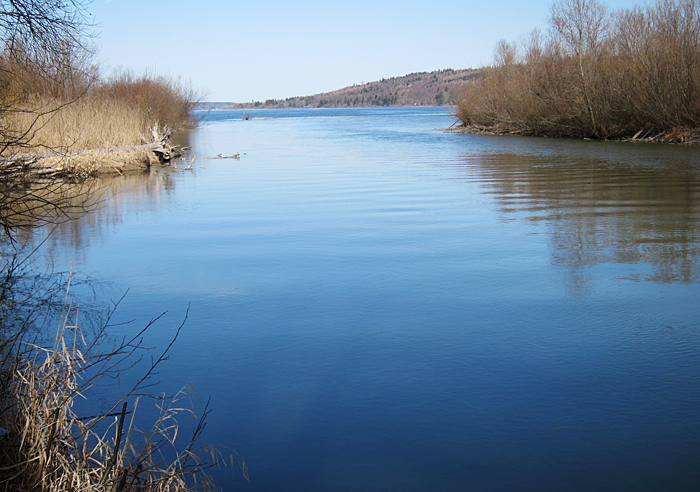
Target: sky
(237,51)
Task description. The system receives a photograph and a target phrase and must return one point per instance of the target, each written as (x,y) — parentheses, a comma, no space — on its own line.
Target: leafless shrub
(157,98)
(631,73)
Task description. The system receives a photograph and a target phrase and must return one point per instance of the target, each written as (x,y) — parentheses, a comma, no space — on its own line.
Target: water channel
(379,305)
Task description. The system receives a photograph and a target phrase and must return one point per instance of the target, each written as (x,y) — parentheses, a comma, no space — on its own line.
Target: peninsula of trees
(437,88)
(624,74)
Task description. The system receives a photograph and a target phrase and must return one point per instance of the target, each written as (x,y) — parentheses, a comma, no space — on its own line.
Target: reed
(47,446)
(88,123)
(82,111)
(100,119)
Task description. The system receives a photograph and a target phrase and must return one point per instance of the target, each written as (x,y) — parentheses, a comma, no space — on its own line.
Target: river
(376,304)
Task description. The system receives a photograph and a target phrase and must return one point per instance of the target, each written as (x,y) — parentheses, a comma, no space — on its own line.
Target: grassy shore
(46,445)
(88,133)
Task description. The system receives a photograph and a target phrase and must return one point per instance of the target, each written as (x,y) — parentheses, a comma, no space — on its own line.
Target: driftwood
(161,147)
(31,166)
(237,155)
(189,167)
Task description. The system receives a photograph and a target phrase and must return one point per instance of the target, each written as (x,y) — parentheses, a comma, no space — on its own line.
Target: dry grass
(118,113)
(88,123)
(46,446)
(73,140)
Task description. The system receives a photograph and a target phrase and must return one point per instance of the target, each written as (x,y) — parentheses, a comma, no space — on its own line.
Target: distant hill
(417,89)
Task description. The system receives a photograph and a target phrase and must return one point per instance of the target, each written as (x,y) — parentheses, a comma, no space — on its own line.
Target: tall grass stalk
(47,446)
(89,123)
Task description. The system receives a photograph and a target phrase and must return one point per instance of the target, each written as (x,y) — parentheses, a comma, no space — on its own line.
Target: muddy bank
(681,136)
(98,163)
(90,163)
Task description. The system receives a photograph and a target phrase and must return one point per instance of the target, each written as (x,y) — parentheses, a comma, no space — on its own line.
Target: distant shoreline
(227,108)
(437,88)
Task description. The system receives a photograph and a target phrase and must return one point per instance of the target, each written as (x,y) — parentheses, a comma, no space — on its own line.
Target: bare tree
(42,50)
(43,29)
(582,27)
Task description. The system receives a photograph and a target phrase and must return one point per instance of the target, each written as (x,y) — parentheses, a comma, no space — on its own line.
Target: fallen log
(82,164)
(236,156)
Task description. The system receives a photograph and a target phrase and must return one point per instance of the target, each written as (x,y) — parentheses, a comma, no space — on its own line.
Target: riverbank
(117,126)
(683,136)
(84,164)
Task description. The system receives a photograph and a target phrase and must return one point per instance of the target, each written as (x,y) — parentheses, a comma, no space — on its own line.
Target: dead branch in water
(236,156)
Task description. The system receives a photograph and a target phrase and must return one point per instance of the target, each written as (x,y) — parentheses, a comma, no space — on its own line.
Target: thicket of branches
(158,98)
(596,73)
(43,53)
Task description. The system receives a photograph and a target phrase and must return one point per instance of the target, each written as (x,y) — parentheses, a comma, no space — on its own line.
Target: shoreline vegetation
(55,111)
(628,74)
(101,126)
(74,123)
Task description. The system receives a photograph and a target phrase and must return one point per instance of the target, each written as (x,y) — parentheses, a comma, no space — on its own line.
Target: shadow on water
(101,202)
(604,203)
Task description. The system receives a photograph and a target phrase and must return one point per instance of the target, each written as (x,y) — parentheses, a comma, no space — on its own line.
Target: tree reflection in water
(641,206)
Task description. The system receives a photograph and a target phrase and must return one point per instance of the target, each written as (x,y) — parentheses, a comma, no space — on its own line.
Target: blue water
(379,305)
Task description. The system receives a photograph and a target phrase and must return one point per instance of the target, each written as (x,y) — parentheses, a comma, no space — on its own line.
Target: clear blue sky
(261,49)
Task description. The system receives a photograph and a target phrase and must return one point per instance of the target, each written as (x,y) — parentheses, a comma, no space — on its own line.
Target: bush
(159,99)
(630,74)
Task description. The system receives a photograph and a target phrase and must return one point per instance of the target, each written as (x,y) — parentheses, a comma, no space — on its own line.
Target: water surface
(377,305)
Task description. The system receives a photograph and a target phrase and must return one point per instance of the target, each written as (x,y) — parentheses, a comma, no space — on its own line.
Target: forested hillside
(417,89)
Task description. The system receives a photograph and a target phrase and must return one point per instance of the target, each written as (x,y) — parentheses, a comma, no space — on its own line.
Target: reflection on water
(112,198)
(604,210)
